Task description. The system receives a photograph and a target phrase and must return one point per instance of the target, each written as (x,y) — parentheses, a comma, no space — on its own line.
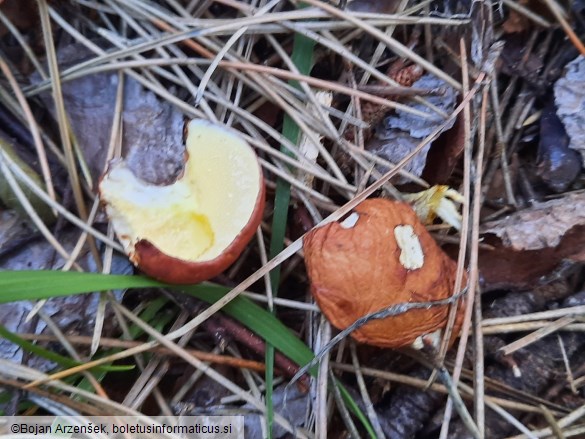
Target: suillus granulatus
(197,226)
(381,255)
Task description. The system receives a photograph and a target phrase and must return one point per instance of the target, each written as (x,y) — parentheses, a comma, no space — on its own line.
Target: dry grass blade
(65,343)
(537,335)
(397,47)
(60,108)
(465,229)
(544,315)
(528,326)
(14,374)
(5,162)
(321,385)
(12,167)
(364,392)
(201,366)
(34,129)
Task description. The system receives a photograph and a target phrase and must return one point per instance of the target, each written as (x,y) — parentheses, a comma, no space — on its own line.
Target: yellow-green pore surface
(200,214)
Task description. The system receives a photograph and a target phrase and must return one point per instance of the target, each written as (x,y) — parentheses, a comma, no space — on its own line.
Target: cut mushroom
(194,228)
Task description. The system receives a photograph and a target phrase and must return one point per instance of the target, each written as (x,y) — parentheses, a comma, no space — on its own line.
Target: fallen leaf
(517,60)
(541,226)
(516,22)
(445,154)
(532,243)
(401,132)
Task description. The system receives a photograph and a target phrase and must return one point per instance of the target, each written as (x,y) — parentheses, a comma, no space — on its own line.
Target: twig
(161,350)
(536,335)
(557,12)
(479,379)
(535,316)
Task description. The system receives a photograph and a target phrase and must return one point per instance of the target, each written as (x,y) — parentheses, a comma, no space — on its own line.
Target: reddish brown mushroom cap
(379,256)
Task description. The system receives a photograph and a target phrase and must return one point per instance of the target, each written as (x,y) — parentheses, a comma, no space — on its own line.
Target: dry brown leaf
(401,132)
(445,154)
(533,243)
(541,226)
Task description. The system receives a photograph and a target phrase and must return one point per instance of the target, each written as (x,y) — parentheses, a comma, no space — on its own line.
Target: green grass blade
(52,356)
(44,284)
(36,285)
(302,58)
(353,407)
(147,314)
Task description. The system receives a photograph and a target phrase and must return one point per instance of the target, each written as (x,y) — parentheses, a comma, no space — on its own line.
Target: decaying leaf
(446,153)
(532,243)
(400,133)
(516,60)
(570,101)
(541,226)
(22,14)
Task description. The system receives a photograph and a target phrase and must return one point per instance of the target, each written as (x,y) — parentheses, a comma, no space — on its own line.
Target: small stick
(535,316)
(114,343)
(557,12)
(536,335)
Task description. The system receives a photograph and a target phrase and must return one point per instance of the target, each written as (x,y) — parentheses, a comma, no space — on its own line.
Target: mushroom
(197,226)
(381,255)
